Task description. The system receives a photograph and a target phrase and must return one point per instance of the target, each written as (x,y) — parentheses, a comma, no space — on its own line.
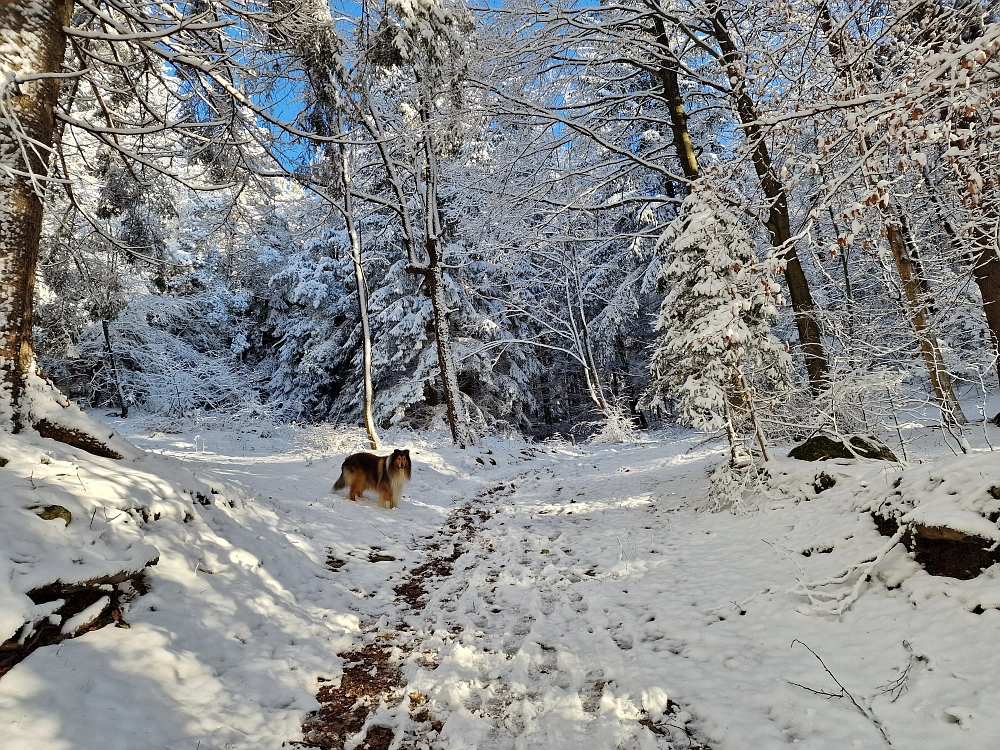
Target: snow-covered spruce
(716,354)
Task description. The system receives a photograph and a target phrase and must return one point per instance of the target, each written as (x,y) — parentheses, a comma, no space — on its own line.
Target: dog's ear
(407,452)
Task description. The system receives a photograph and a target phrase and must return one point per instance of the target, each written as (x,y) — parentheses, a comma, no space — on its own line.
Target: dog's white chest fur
(397,481)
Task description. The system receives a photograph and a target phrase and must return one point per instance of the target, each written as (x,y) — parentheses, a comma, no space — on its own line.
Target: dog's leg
(356,490)
(385,498)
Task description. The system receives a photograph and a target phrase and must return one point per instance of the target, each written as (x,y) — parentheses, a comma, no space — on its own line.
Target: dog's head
(399,462)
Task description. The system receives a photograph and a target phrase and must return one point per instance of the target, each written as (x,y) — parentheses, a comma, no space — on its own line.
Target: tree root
(75,438)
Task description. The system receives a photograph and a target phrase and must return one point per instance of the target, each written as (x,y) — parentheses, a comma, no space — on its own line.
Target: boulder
(823,448)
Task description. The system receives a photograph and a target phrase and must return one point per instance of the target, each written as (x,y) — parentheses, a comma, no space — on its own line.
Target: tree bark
(778,222)
(670,83)
(458,418)
(986,270)
(114,369)
(34,44)
(354,236)
(951,411)
(430,268)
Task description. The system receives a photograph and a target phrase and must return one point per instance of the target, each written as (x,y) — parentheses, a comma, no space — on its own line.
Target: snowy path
(562,598)
(591,593)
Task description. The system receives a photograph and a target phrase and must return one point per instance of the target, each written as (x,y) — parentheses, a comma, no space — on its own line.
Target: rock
(947,552)
(943,551)
(822,448)
(3,462)
(52,512)
(869,447)
(823,482)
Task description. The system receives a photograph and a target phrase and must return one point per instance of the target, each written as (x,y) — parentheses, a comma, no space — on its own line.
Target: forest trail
(582,602)
(561,597)
(494,629)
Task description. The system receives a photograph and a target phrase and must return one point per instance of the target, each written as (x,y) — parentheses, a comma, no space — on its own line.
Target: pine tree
(716,354)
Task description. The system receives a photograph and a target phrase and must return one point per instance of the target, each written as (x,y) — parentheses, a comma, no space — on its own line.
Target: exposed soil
(373,674)
(961,558)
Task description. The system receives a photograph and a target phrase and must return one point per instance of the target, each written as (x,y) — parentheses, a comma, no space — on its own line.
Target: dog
(386,474)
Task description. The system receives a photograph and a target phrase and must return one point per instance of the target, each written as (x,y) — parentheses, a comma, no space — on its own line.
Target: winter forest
(683,309)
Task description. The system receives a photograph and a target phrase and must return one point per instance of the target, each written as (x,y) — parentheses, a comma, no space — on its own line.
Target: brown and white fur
(386,474)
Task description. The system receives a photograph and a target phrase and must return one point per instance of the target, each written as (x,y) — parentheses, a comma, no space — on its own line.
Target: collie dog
(386,474)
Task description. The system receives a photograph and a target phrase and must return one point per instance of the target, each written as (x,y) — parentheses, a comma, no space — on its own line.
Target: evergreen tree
(716,354)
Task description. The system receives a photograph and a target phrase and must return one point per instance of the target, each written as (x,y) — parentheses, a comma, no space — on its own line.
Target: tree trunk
(458,419)
(368,399)
(940,379)
(668,75)
(904,254)
(114,369)
(34,44)
(581,340)
(778,221)
(986,272)
(430,268)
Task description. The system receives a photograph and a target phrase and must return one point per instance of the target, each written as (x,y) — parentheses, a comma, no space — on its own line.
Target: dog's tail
(340,483)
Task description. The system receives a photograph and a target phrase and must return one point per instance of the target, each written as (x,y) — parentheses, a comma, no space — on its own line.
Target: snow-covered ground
(586,604)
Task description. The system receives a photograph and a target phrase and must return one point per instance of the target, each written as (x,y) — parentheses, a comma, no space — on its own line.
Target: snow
(590,606)
(955,495)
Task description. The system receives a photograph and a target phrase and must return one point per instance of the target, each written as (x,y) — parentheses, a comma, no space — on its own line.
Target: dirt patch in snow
(461,526)
(373,675)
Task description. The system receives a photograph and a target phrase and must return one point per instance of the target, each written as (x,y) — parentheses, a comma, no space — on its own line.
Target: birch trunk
(368,399)
(34,43)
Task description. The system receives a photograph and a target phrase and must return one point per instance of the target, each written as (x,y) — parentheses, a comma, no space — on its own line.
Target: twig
(824,693)
(863,569)
(844,692)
